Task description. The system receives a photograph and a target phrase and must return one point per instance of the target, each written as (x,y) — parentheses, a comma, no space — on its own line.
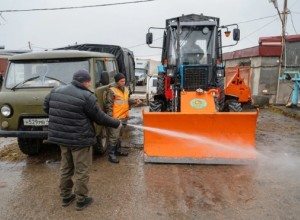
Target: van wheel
(30,146)
(102,141)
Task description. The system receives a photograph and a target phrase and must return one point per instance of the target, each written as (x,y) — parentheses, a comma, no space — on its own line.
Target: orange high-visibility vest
(121,106)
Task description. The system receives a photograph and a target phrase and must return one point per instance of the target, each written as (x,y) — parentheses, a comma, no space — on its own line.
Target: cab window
(111,69)
(99,68)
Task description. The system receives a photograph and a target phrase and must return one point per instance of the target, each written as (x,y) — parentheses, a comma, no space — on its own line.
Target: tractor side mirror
(236,34)
(104,78)
(149,38)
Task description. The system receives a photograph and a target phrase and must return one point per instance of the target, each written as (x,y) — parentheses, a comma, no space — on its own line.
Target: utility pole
(282,17)
(283,21)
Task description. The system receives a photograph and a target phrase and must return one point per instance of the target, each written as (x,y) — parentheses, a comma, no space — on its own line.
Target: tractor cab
(195,45)
(195,55)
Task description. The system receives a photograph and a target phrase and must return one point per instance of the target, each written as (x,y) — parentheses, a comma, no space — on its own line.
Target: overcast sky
(127,24)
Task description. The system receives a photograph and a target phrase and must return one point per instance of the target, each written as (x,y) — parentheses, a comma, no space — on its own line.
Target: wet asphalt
(132,189)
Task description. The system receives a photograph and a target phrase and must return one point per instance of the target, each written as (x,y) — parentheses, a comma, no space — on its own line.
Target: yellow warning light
(227,33)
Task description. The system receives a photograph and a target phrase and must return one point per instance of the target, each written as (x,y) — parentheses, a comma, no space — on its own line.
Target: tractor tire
(232,105)
(160,84)
(102,142)
(147,99)
(133,87)
(156,106)
(220,103)
(30,146)
(159,104)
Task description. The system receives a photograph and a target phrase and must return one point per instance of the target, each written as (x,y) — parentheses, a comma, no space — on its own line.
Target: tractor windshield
(196,45)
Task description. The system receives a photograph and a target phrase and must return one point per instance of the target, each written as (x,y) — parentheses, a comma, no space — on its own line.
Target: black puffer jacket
(72,110)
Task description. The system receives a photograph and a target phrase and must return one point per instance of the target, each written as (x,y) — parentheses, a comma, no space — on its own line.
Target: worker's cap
(119,76)
(82,76)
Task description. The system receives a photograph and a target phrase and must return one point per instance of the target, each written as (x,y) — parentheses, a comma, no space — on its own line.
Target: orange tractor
(191,119)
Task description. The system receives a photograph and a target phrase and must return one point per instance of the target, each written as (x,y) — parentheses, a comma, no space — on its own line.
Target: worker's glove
(139,102)
(120,125)
(124,123)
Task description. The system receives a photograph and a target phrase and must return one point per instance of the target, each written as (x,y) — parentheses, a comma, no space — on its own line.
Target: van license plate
(36,121)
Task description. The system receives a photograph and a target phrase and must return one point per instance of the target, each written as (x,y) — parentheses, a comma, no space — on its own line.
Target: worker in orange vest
(117,106)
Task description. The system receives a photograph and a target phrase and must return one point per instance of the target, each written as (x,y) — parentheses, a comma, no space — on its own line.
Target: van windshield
(45,73)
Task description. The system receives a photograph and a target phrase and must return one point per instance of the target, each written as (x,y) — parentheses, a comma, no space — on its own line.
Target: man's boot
(111,154)
(119,152)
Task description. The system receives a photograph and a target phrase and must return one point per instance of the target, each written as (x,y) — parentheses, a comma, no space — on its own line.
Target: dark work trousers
(115,134)
(75,161)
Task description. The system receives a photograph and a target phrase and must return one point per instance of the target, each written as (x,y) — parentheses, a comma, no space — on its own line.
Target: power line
(292,20)
(143,43)
(257,19)
(74,7)
(2,16)
(295,12)
(136,45)
(256,30)
(260,28)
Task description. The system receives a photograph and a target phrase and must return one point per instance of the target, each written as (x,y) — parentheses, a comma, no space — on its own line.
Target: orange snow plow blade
(206,138)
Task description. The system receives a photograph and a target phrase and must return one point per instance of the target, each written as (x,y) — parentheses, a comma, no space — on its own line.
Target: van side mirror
(236,34)
(149,38)
(104,78)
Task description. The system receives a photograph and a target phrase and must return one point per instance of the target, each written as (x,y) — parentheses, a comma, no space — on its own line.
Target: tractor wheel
(221,99)
(102,141)
(159,104)
(30,146)
(133,86)
(160,84)
(156,106)
(232,105)
(147,99)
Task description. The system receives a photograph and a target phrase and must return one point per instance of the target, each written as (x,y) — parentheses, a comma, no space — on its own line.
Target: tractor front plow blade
(207,138)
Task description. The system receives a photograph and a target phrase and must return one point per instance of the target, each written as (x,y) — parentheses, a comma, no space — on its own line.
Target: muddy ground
(267,189)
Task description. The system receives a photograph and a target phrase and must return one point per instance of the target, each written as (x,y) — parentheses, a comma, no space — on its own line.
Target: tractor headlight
(220,75)
(170,72)
(6,110)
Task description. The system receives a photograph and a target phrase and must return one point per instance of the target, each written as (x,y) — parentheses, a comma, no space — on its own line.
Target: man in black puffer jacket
(72,110)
